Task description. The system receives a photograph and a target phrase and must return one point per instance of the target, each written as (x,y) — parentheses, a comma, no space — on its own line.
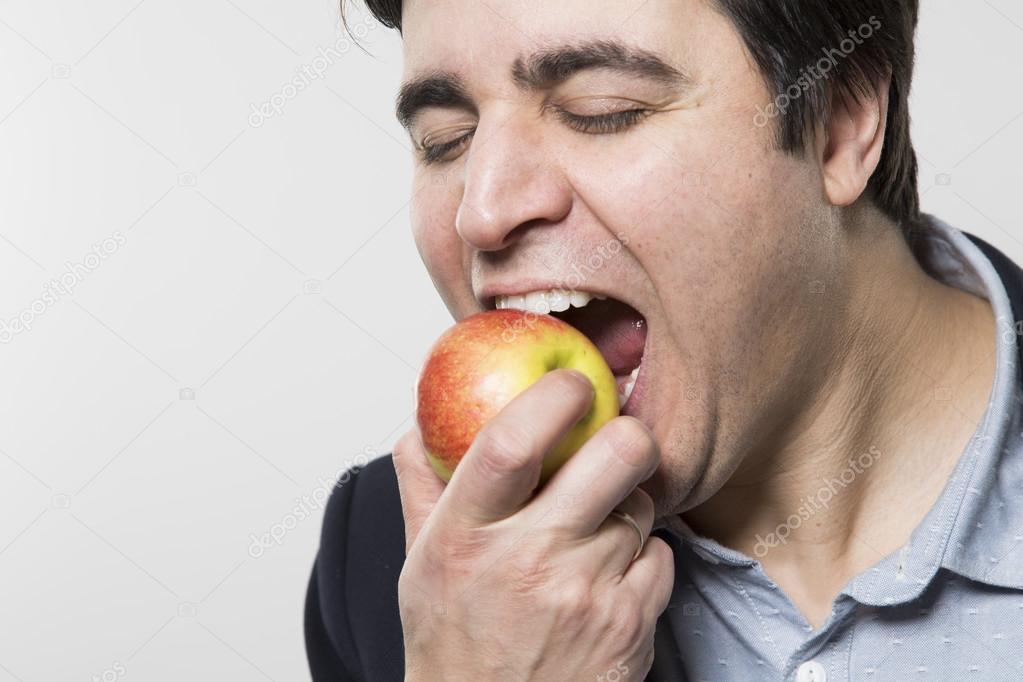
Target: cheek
(692,208)
(720,223)
(432,215)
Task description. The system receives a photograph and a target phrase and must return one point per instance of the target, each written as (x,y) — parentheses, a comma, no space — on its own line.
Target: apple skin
(477,366)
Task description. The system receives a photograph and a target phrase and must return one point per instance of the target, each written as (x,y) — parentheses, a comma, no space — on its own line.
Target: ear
(854,139)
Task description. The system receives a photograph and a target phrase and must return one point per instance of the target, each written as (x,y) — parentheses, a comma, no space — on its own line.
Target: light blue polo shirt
(946,606)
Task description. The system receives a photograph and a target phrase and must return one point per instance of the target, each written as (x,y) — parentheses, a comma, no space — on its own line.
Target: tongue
(615,328)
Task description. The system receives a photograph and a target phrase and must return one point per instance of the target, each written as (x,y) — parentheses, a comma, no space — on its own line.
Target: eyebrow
(551,66)
(437,89)
(543,69)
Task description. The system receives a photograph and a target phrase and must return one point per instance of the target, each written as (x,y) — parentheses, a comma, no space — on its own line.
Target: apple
(481,363)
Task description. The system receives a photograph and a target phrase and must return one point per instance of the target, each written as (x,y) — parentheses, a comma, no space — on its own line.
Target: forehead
(486,37)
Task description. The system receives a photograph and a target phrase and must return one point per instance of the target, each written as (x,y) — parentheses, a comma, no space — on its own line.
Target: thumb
(420,487)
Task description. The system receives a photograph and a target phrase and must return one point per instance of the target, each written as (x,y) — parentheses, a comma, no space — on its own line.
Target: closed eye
(600,124)
(438,153)
(603,124)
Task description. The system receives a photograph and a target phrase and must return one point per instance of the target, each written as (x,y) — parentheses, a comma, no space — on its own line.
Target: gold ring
(627,518)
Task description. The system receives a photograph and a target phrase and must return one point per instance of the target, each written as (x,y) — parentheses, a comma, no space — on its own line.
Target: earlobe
(854,140)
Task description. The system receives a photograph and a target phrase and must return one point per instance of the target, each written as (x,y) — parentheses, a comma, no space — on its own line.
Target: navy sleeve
(328,637)
(352,620)
(324,660)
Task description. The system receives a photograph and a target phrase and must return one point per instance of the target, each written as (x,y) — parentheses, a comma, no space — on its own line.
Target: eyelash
(435,153)
(602,124)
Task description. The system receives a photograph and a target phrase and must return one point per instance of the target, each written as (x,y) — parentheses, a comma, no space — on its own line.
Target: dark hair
(861,41)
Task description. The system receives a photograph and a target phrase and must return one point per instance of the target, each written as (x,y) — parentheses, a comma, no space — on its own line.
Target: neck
(856,463)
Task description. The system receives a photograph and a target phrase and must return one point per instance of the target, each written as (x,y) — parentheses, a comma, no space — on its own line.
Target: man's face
(572,160)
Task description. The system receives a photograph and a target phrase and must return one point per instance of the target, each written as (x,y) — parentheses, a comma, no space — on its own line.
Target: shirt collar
(986,531)
(976,527)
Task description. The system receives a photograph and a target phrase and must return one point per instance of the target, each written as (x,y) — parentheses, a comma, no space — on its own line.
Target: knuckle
(665,557)
(459,549)
(405,447)
(406,585)
(644,503)
(410,586)
(663,569)
(632,442)
(503,447)
(449,553)
(573,600)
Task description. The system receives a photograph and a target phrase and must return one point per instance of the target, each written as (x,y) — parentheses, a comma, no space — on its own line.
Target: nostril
(489,232)
(504,197)
(478,229)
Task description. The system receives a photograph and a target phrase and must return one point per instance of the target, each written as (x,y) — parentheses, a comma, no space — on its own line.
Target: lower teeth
(625,390)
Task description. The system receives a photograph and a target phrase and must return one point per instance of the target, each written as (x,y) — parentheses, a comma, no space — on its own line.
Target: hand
(500,583)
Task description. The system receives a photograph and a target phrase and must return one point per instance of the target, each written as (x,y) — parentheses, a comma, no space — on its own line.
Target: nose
(512,183)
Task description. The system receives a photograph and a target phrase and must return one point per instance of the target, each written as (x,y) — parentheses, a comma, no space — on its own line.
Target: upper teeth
(547,301)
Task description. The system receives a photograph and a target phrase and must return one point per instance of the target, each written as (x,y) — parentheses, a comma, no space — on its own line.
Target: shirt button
(811,671)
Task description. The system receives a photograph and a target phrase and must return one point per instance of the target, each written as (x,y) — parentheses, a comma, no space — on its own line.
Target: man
(821,448)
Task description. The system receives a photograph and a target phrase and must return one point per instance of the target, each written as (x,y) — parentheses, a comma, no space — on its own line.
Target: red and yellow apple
(481,363)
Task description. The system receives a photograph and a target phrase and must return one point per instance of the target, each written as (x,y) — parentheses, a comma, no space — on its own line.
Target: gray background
(259,318)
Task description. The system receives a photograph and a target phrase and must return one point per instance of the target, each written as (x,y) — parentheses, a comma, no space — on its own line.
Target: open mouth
(617,329)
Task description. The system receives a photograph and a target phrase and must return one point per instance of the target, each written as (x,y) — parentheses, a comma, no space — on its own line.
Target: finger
(418,484)
(616,541)
(502,467)
(596,479)
(652,577)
